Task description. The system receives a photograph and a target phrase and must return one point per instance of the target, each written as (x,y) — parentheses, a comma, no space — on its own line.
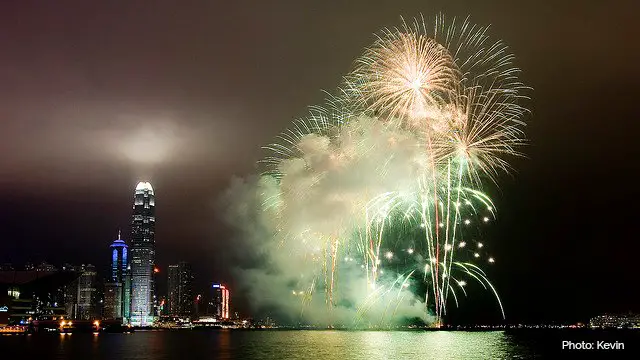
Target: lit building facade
(87,294)
(116,298)
(33,295)
(71,299)
(126,295)
(219,304)
(181,299)
(113,301)
(119,259)
(623,321)
(173,283)
(142,256)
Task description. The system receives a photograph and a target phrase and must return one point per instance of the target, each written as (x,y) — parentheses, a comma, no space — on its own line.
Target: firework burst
(392,169)
(405,75)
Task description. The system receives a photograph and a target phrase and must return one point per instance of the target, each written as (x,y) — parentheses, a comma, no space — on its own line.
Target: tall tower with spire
(116,295)
(119,261)
(142,253)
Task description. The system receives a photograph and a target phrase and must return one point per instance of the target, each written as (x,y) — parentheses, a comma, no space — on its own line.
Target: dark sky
(96,96)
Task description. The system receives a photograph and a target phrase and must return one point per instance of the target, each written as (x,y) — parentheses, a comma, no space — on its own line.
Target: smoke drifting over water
(321,194)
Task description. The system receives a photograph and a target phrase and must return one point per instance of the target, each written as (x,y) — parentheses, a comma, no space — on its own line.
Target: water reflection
(264,345)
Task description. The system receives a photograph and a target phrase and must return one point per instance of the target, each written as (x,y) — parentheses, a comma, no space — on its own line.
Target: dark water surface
(301,344)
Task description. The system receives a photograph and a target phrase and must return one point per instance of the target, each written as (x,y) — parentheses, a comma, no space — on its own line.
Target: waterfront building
(33,295)
(180,281)
(71,298)
(87,307)
(173,283)
(219,303)
(113,301)
(116,298)
(142,255)
(119,261)
(620,321)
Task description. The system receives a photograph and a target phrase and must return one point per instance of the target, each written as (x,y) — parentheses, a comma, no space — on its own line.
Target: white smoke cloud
(285,227)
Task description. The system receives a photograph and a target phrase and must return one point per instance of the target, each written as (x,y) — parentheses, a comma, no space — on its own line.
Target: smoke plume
(286,226)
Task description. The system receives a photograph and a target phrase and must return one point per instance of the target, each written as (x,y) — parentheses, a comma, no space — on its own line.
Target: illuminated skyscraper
(173,282)
(87,295)
(181,299)
(219,304)
(112,301)
(142,253)
(116,296)
(118,259)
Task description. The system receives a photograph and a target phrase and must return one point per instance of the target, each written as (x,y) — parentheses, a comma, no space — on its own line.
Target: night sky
(95,97)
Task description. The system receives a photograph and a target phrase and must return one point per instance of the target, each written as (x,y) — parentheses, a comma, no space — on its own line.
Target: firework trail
(389,174)
(459,93)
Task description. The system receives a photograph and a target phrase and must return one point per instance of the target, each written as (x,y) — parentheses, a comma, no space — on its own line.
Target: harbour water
(310,344)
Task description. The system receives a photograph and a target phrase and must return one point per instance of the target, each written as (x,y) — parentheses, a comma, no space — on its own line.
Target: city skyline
(118,280)
(127,290)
